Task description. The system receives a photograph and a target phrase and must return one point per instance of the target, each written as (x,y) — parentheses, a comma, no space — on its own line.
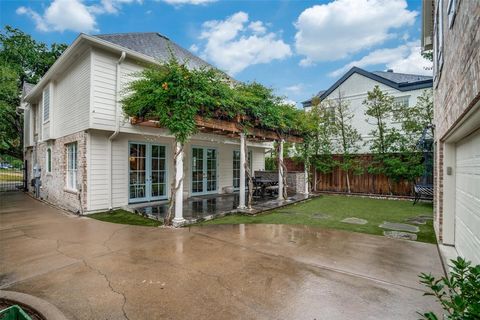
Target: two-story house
(354,85)
(452,29)
(91,157)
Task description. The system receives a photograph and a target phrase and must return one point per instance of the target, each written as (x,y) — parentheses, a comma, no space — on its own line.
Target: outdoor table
(262,184)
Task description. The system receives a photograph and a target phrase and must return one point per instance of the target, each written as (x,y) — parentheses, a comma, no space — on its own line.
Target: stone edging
(46,309)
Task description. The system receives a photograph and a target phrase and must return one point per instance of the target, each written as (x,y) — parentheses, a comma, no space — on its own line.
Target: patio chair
(423,191)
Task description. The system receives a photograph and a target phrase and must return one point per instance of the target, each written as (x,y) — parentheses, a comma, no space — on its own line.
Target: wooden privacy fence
(365,183)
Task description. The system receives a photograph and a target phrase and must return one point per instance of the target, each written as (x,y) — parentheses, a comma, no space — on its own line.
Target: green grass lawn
(124,217)
(339,207)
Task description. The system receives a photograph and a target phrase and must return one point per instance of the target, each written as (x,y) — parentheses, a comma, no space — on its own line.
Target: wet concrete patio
(97,270)
(208,207)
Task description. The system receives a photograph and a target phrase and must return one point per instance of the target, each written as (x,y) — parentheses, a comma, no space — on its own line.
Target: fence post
(25,175)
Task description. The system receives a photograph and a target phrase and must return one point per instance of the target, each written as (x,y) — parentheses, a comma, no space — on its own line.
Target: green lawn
(124,217)
(339,207)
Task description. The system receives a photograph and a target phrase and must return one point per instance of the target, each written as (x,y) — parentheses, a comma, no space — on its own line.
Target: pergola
(232,129)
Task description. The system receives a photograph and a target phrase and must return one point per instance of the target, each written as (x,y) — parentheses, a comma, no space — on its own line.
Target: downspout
(116,132)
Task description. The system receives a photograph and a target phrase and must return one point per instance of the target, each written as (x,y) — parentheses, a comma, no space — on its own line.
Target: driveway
(96,270)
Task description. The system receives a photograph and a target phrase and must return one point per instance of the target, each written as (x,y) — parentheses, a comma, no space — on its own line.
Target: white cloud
(340,28)
(73,15)
(405,58)
(193,2)
(233,46)
(257,27)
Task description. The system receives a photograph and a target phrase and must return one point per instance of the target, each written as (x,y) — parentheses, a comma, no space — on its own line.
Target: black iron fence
(12,177)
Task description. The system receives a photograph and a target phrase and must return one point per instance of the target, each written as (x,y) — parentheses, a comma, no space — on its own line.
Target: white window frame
(48,160)
(46,99)
(438,58)
(452,12)
(71,176)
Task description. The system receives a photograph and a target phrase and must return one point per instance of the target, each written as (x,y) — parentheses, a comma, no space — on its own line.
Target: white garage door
(467,204)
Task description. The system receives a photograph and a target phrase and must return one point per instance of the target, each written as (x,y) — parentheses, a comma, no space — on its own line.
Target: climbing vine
(174,95)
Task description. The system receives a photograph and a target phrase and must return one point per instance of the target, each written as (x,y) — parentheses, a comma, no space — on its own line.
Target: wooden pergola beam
(228,128)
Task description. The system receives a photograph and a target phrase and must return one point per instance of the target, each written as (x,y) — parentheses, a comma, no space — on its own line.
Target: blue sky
(296,47)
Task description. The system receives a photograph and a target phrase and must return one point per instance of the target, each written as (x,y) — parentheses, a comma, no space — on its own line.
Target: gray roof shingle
(401,77)
(156,46)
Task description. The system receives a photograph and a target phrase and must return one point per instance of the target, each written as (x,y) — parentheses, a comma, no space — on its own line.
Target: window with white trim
(401,102)
(438,59)
(49,160)
(72,166)
(46,104)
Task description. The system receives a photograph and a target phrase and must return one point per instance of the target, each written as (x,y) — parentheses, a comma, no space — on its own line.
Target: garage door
(467,202)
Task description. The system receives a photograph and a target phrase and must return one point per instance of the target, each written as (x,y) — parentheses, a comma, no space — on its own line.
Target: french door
(204,170)
(147,172)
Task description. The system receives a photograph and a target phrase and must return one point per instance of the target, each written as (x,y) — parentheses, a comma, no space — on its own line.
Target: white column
(280,171)
(179,220)
(241,204)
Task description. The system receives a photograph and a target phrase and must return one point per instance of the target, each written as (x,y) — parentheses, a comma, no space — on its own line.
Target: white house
(92,158)
(354,85)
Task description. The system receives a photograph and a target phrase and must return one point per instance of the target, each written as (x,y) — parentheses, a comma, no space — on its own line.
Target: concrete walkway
(97,270)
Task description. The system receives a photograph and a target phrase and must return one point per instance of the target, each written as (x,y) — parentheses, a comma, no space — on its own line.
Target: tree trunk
(250,180)
(348,181)
(175,188)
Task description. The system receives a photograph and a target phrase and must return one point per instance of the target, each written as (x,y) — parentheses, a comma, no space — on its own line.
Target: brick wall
(457,87)
(54,187)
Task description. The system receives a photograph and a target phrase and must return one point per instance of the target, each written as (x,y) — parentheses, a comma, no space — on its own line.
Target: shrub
(458,293)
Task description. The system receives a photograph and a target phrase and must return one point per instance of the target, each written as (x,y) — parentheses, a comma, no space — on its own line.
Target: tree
(174,95)
(317,148)
(393,153)
(21,59)
(347,136)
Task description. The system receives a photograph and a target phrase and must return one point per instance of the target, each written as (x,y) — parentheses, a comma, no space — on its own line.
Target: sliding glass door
(147,172)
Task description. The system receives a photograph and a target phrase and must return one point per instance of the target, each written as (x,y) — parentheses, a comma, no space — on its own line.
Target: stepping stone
(399,235)
(353,220)
(320,216)
(399,226)
(419,219)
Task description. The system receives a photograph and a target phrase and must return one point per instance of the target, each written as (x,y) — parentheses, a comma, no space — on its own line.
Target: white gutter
(117,128)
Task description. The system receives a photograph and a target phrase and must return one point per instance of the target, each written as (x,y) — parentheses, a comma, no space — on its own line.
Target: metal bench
(423,191)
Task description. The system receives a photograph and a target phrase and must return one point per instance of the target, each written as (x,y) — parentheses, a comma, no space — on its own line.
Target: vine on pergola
(174,95)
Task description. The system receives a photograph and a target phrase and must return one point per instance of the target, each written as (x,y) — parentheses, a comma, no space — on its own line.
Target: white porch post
(241,204)
(179,220)
(280,171)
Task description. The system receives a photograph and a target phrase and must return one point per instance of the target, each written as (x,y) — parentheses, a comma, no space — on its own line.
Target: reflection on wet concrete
(210,206)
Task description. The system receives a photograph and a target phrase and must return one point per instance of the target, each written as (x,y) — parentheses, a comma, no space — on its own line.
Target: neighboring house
(353,88)
(452,29)
(91,156)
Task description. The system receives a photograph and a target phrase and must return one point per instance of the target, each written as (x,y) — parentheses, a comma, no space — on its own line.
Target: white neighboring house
(354,85)
(91,157)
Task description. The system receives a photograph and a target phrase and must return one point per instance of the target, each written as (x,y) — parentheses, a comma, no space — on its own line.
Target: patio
(96,270)
(201,208)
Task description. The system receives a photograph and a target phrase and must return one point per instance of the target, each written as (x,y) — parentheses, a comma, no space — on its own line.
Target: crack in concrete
(104,275)
(111,237)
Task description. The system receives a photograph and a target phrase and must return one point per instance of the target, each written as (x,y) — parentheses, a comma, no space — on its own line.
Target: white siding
(467,202)
(104,87)
(72,98)
(98,157)
(355,89)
